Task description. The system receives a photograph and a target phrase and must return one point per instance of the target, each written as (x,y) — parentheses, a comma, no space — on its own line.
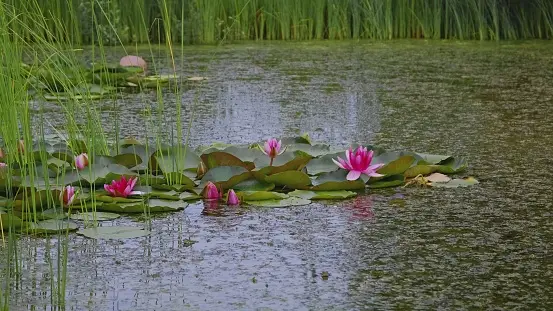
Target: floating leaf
(225,176)
(261,195)
(98,216)
(290,179)
(397,166)
(9,220)
(432,158)
(388,181)
(323,164)
(220,158)
(322,195)
(291,201)
(336,181)
(53,226)
(115,232)
(438,177)
(175,159)
(188,196)
(254,185)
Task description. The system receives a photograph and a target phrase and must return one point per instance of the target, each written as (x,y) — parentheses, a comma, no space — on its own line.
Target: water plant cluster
(70,182)
(91,82)
(207,21)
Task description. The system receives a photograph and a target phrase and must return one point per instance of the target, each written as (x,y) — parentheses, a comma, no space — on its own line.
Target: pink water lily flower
(272,148)
(122,187)
(211,192)
(232,198)
(359,162)
(81,161)
(2,165)
(67,195)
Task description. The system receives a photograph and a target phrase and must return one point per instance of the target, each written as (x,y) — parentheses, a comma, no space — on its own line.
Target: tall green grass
(207,21)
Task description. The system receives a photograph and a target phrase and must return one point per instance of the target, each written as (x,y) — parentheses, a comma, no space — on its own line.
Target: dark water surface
(485,247)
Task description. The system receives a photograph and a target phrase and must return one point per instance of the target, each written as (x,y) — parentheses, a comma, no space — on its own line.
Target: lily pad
(226,176)
(254,185)
(388,181)
(51,226)
(291,179)
(397,166)
(336,181)
(322,195)
(291,201)
(7,220)
(220,158)
(99,216)
(175,159)
(115,232)
(261,195)
(323,164)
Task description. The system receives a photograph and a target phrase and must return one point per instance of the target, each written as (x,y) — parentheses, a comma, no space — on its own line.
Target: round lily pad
(115,232)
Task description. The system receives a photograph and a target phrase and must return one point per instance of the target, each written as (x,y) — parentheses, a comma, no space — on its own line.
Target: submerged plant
(232,198)
(211,192)
(67,196)
(273,148)
(121,188)
(81,161)
(359,162)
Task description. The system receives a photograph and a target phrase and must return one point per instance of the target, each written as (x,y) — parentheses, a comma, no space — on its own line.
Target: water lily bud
(211,192)
(232,198)
(67,195)
(81,161)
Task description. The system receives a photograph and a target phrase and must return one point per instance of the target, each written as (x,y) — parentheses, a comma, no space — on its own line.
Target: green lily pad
(323,164)
(254,185)
(312,150)
(175,159)
(115,232)
(153,205)
(291,179)
(322,195)
(291,201)
(52,226)
(188,196)
(287,161)
(7,220)
(336,181)
(220,158)
(98,216)
(397,166)
(226,176)
(432,158)
(261,195)
(388,181)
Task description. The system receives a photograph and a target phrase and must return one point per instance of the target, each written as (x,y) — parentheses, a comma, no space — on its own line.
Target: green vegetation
(208,21)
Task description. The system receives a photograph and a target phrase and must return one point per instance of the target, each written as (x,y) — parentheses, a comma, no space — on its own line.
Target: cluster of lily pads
(93,82)
(71,181)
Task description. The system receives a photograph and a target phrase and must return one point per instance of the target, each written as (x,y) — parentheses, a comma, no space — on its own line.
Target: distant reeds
(207,21)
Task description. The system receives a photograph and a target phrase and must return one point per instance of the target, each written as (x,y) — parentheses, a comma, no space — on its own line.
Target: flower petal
(338,163)
(353,175)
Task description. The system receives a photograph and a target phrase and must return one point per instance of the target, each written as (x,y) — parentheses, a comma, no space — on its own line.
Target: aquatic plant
(67,196)
(272,148)
(211,192)
(122,187)
(81,161)
(359,162)
(232,198)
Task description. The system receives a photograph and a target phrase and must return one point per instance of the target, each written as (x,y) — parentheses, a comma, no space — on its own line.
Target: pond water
(484,247)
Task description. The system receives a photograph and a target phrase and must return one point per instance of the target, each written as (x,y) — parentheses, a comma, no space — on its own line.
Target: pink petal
(353,175)
(338,163)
